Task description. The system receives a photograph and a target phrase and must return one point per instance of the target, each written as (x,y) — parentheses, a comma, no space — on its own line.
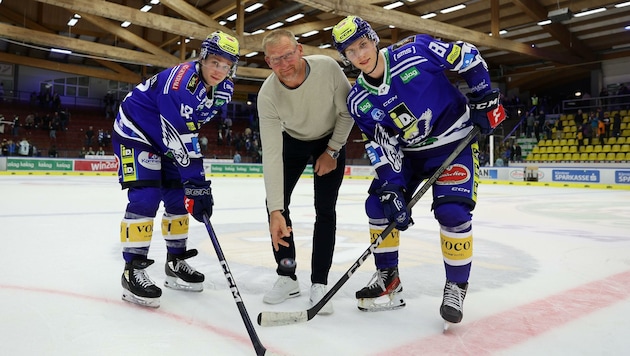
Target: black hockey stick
(286,318)
(258,346)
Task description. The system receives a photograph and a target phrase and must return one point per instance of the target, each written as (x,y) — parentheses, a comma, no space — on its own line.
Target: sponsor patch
(365,106)
(150,161)
(177,81)
(409,74)
(403,42)
(454,174)
(456,51)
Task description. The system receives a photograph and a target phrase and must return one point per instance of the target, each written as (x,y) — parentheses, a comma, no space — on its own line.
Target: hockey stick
(258,346)
(286,318)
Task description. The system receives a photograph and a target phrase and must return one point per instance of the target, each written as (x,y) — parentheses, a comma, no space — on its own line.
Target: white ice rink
(551,276)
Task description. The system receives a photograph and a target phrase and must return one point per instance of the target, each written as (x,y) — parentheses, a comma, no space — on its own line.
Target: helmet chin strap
(378,55)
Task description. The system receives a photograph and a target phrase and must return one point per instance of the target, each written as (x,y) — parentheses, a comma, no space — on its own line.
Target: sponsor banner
(575,175)
(622,177)
(485,173)
(96,165)
(218,168)
(42,164)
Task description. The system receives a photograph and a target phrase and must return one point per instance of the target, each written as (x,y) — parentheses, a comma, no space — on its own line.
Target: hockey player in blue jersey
(412,117)
(159,156)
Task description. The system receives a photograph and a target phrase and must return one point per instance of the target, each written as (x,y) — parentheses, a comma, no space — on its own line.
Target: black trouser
(296,155)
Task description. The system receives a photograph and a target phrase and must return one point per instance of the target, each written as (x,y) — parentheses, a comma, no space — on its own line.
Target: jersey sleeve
(461,57)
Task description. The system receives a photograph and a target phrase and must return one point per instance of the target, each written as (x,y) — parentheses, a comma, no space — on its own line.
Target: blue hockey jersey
(167,111)
(416,110)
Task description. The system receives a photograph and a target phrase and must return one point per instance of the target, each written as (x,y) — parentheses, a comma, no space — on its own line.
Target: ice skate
(179,274)
(138,288)
(284,288)
(452,308)
(317,293)
(383,292)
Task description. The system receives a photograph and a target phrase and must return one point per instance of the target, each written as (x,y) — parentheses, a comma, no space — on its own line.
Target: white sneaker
(317,293)
(283,289)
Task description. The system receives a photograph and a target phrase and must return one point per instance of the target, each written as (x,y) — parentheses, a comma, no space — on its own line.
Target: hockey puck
(287,264)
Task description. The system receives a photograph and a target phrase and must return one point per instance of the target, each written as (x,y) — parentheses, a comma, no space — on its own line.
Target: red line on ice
(506,329)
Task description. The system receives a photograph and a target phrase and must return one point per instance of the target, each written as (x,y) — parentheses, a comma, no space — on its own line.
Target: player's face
(284,59)
(215,69)
(362,54)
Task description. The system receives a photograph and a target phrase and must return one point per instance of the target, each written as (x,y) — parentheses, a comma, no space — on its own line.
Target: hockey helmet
(349,30)
(223,45)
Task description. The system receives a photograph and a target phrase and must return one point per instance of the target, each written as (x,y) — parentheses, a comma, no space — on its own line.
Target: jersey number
(438,48)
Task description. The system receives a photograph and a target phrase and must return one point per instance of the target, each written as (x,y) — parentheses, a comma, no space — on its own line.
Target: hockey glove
(198,199)
(392,199)
(486,111)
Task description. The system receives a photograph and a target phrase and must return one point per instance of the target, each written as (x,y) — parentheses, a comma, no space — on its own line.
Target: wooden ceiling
(528,56)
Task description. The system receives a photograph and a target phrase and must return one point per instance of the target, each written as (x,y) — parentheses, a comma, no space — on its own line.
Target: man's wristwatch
(332,153)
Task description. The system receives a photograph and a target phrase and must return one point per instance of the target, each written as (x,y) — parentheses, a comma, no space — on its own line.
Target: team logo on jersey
(173,141)
(414,129)
(192,83)
(365,106)
(387,150)
(409,74)
(454,174)
(377,114)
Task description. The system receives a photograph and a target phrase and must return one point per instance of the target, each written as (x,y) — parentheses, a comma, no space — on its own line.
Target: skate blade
(383,303)
(141,301)
(179,284)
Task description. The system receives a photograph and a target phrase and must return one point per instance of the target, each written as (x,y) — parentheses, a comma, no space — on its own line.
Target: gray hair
(275,36)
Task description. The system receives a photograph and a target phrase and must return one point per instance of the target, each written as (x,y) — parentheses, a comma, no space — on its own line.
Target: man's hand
(324,164)
(278,229)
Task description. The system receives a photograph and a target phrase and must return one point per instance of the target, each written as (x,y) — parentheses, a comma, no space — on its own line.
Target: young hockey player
(155,143)
(412,118)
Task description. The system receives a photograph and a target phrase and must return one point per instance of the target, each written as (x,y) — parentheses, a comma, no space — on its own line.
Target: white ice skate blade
(179,284)
(142,301)
(386,302)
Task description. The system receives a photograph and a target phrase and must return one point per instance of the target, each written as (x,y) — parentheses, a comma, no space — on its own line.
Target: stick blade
(282,318)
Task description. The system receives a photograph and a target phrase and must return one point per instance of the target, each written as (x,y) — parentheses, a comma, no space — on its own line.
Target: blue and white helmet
(223,45)
(350,29)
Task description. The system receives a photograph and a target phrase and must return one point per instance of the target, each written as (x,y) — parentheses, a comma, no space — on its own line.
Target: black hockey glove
(198,199)
(392,199)
(486,111)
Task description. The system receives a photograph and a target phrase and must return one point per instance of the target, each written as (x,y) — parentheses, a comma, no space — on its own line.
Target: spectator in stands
(90,152)
(559,128)
(605,121)
(237,157)
(101,151)
(4,148)
(53,127)
(89,135)
(29,123)
(23,147)
(83,152)
(109,101)
(579,118)
(516,152)
(56,102)
(530,122)
(52,151)
(548,129)
(594,121)
(616,125)
(538,126)
(16,126)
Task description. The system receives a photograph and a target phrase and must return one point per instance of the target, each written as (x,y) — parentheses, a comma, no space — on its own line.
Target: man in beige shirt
(303,118)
